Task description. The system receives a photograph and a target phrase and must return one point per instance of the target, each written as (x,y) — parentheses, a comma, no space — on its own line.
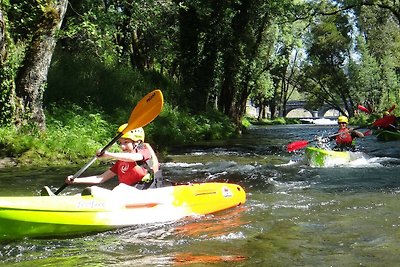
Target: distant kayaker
(345,137)
(393,127)
(137,164)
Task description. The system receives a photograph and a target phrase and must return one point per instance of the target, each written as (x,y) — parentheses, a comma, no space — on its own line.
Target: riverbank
(73,135)
(7,162)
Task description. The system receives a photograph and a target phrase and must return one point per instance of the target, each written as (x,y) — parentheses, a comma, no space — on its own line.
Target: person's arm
(129,157)
(356,133)
(95,179)
(156,164)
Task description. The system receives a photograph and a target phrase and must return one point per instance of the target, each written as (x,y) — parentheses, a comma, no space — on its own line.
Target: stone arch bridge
(301,104)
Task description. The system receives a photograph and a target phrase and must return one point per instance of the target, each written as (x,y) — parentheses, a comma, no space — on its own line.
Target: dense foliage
(209,57)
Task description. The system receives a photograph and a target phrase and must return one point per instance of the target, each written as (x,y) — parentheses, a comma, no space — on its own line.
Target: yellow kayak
(33,216)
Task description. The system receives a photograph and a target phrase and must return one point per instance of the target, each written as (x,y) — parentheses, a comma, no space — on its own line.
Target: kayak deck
(318,157)
(104,210)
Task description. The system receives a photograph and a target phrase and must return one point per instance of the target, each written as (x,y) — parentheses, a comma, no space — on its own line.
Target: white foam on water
(364,162)
(290,163)
(322,121)
(357,160)
(181,164)
(331,162)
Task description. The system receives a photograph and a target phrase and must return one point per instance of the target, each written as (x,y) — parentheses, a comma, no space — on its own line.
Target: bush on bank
(75,134)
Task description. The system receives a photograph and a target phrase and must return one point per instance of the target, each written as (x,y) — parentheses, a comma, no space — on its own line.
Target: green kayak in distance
(319,157)
(384,135)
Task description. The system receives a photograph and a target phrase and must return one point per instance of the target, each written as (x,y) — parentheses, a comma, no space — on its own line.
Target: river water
(295,215)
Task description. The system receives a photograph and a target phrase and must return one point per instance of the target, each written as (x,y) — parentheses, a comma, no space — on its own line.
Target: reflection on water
(213,226)
(189,258)
(295,215)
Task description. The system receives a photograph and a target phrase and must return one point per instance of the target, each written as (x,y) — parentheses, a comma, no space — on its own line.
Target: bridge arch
(299,107)
(328,113)
(299,113)
(323,111)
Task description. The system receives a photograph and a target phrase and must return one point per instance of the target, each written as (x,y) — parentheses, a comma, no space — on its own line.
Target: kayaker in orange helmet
(137,164)
(345,137)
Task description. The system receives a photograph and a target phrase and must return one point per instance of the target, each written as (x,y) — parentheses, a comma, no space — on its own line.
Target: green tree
(225,50)
(34,25)
(381,5)
(324,77)
(379,64)
(365,77)
(285,65)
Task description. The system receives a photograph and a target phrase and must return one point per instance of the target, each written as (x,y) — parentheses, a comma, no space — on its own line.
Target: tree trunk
(6,77)
(227,93)
(2,38)
(232,102)
(189,33)
(32,76)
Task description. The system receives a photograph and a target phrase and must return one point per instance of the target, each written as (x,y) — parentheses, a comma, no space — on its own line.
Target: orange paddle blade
(297,145)
(146,110)
(392,108)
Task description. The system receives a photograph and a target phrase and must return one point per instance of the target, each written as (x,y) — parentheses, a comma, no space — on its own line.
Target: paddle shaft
(84,168)
(385,121)
(303,143)
(349,130)
(339,133)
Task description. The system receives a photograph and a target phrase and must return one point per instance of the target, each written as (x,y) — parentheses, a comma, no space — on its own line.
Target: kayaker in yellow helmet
(345,137)
(137,164)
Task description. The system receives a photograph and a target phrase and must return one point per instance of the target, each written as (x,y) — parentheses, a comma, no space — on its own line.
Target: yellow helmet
(386,113)
(135,134)
(343,119)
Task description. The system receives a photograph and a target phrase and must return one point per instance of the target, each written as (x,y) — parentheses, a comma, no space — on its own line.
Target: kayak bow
(319,157)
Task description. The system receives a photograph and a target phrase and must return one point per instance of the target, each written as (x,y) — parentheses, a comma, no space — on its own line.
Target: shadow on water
(295,215)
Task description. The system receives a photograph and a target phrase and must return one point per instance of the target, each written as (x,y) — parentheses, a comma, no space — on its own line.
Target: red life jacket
(344,138)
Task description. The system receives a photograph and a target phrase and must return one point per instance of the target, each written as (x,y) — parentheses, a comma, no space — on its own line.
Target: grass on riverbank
(74,134)
(360,120)
(276,121)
